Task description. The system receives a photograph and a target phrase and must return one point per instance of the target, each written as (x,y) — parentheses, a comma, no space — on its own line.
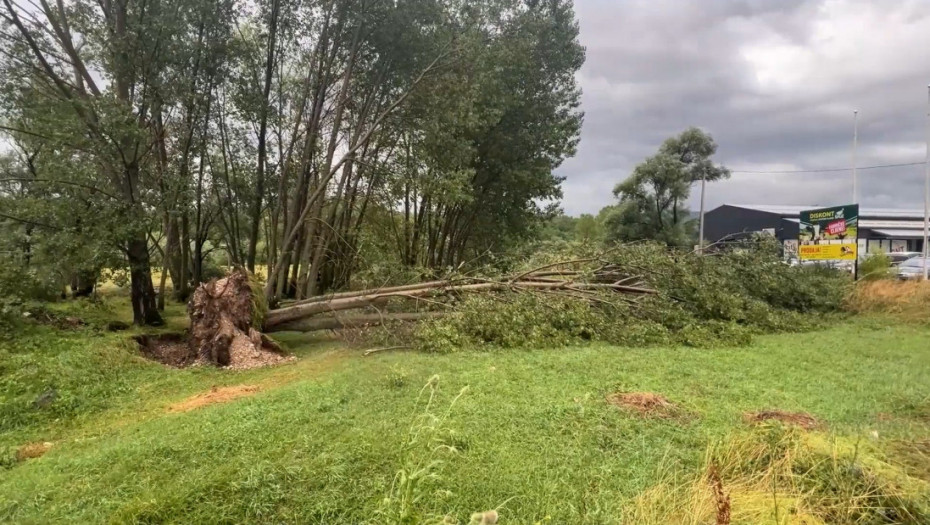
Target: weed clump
(646,404)
(875,267)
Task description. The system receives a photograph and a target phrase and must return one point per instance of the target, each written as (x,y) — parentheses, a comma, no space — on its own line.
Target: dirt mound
(801,419)
(244,354)
(169,349)
(215,395)
(178,351)
(645,403)
(32,450)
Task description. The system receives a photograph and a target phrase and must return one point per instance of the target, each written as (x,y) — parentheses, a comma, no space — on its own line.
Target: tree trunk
(262,132)
(161,285)
(313,324)
(144,307)
(82,283)
(182,291)
(173,250)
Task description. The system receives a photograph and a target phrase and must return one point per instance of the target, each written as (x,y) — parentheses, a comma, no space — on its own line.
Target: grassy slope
(323,440)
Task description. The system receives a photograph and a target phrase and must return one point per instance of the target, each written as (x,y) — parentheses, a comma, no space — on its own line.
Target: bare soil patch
(801,419)
(32,450)
(168,349)
(646,404)
(215,395)
(177,350)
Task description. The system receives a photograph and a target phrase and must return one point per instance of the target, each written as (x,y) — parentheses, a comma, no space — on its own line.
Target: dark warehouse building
(889,230)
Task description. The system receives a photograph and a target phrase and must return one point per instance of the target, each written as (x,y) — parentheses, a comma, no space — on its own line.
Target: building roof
(901,234)
(795,211)
(897,224)
(775,208)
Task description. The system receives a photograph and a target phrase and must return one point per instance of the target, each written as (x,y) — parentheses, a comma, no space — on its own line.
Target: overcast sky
(774,81)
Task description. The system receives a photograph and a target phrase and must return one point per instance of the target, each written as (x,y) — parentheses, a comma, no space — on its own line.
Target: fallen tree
(636,295)
(228,315)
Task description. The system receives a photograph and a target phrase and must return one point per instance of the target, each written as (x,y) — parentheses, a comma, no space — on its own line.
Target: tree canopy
(653,198)
(313,139)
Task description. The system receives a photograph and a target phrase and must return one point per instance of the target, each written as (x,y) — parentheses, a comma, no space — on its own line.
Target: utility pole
(855,147)
(701,219)
(926,249)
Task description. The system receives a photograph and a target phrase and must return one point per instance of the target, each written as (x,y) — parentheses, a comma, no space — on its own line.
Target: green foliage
(652,199)
(259,302)
(479,175)
(513,321)
(559,227)
(715,300)
(20,286)
(432,127)
(875,267)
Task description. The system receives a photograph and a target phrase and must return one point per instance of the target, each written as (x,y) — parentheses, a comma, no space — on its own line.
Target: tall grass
(907,300)
(427,445)
(775,474)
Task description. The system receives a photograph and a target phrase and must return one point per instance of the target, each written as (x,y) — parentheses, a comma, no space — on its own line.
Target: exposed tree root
(224,325)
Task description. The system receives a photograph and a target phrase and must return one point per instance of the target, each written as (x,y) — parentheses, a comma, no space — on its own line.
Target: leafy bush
(876,266)
(20,286)
(719,299)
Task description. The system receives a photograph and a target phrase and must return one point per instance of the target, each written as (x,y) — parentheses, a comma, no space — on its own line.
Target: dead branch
(368,352)
(368,298)
(332,322)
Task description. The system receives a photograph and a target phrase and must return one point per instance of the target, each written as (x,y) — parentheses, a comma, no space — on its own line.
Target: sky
(775,82)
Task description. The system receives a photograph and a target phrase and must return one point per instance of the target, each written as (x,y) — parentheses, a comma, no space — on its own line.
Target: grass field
(399,437)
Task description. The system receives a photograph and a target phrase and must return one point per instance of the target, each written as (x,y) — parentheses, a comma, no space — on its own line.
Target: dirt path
(305,368)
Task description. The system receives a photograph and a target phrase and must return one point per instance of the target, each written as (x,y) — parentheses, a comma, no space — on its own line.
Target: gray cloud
(774,81)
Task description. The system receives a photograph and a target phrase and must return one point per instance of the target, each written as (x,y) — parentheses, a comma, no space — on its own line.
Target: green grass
(324,438)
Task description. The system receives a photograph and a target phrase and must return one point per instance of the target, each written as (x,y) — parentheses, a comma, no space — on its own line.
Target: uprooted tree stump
(226,317)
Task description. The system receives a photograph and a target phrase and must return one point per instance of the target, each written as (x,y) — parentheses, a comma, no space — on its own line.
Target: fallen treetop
(604,279)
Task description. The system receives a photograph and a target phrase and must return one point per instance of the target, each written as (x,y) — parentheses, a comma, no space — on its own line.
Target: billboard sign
(829,234)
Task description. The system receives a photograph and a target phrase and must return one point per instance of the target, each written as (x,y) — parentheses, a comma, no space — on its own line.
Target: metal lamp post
(855,174)
(701,218)
(926,249)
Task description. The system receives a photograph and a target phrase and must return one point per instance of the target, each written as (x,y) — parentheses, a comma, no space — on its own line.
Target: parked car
(899,257)
(912,268)
(846,266)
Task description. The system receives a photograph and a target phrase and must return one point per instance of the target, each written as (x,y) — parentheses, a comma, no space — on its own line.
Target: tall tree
(66,50)
(652,199)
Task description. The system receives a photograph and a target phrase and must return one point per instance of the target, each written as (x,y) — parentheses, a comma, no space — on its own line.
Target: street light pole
(701,218)
(855,147)
(926,249)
